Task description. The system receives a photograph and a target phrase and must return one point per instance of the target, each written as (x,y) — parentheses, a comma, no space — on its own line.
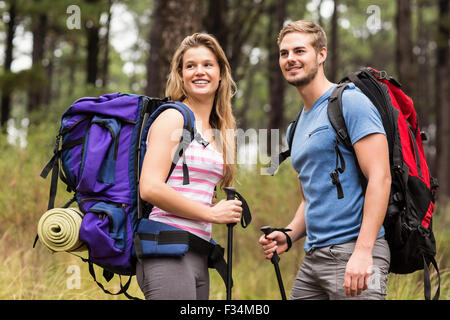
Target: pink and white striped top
(205,166)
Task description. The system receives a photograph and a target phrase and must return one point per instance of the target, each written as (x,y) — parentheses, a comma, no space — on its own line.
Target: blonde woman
(199,77)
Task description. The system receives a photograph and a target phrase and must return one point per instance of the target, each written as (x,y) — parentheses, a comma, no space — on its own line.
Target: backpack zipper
(378,86)
(416,152)
(123,206)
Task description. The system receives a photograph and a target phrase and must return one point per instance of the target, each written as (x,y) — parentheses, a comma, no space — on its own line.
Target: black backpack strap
(108,275)
(182,147)
(286,153)
(53,165)
(336,118)
(213,251)
(426,278)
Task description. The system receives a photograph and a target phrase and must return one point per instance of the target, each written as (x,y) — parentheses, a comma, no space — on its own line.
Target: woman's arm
(163,139)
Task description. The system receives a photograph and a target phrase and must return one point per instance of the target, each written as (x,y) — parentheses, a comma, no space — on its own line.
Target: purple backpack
(98,154)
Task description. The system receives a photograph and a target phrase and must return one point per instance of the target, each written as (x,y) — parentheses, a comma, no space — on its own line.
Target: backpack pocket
(98,166)
(73,131)
(316,130)
(154,239)
(104,230)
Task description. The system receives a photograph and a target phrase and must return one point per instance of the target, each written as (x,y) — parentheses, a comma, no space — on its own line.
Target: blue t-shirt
(330,220)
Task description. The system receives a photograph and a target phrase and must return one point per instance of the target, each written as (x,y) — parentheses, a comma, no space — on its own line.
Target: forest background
(54,52)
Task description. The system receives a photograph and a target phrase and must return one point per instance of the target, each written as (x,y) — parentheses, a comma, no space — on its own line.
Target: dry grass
(28,273)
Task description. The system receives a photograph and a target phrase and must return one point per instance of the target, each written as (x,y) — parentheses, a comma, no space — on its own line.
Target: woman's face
(200,73)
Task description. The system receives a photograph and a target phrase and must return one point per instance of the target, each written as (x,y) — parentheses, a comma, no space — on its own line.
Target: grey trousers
(174,278)
(321,276)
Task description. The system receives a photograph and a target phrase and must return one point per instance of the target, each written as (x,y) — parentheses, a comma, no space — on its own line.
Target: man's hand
(276,241)
(358,272)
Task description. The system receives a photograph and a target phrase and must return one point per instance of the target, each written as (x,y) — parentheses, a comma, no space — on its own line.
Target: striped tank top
(205,166)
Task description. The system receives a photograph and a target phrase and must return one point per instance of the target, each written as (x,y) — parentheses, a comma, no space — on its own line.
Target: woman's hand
(226,211)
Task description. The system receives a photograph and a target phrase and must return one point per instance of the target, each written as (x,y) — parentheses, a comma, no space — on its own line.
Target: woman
(199,77)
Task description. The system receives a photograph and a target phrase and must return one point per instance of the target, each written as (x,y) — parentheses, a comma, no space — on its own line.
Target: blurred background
(54,52)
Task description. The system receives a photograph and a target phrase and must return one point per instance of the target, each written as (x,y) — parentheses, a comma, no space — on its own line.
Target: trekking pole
(230,196)
(245,221)
(276,259)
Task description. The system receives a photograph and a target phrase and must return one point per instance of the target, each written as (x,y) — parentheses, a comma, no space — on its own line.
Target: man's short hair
(304,26)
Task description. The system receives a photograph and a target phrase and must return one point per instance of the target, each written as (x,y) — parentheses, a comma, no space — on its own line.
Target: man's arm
(373,158)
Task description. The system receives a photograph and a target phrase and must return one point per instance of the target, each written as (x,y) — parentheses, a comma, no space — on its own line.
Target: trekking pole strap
(288,238)
(246,216)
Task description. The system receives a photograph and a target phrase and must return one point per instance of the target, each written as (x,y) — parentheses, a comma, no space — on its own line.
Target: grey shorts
(321,276)
(174,278)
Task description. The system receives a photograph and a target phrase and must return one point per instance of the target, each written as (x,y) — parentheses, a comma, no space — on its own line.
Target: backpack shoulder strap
(336,117)
(293,125)
(286,153)
(188,115)
(188,135)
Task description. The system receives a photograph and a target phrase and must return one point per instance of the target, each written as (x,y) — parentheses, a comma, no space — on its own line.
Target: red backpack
(408,221)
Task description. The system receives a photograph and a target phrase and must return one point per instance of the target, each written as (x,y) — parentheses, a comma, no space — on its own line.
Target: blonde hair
(221,118)
(304,26)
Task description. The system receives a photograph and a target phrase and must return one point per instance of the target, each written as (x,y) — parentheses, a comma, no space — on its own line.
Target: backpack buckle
(342,134)
(381,75)
(199,138)
(424,231)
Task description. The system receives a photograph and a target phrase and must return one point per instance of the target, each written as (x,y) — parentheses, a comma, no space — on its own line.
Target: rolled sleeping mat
(58,229)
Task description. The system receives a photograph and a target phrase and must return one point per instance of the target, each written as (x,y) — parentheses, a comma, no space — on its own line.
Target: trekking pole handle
(268,230)
(231,195)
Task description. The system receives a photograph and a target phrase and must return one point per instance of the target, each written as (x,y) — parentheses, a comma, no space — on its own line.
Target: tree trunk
(319,16)
(276,80)
(105,66)
(404,58)
(92,27)
(172,21)
(216,22)
(73,66)
(36,89)
(49,71)
(334,44)
(442,101)
(6,91)
(424,96)
(92,52)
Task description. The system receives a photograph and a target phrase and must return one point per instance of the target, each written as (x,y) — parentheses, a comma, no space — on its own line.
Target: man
(346,253)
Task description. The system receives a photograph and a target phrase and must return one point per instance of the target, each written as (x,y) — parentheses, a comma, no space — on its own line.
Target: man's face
(299,61)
